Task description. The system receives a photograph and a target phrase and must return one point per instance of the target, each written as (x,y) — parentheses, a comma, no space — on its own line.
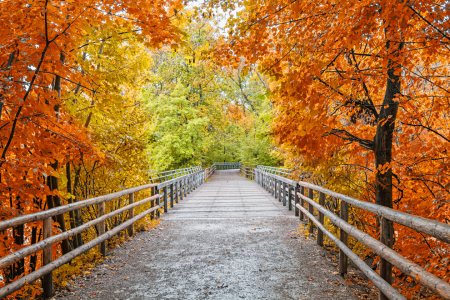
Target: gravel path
(229,239)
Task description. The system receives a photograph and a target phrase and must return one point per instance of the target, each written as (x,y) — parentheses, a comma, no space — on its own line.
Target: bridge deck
(229,239)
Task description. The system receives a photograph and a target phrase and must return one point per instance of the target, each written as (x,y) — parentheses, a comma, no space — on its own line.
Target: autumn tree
(363,85)
(45,70)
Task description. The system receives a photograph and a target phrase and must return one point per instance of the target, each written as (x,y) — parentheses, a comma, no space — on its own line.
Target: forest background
(99,96)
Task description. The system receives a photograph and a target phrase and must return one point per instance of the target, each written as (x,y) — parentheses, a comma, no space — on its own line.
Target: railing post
(188,184)
(311,210)
(101,228)
(283,192)
(131,214)
(302,202)
(185,187)
(181,189)
(152,203)
(176,192)
(158,202)
(47,280)
(172,197)
(296,198)
(280,184)
(386,237)
(343,260)
(289,196)
(275,185)
(321,219)
(165,199)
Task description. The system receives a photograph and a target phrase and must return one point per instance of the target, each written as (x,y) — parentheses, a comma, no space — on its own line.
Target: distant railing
(248,172)
(169,186)
(293,193)
(209,172)
(167,175)
(227,165)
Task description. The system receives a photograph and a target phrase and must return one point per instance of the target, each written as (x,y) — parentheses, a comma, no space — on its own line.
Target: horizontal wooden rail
(433,228)
(14,286)
(169,189)
(209,171)
(406,266)
(248,172)
(385,287)
(69,207)
(227,165)
(18,255)
(287,190)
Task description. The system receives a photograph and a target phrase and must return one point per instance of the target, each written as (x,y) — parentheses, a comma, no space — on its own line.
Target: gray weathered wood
(371,274)
(433,228)
(21,282)
(69,207)
(24,252)
(409,268)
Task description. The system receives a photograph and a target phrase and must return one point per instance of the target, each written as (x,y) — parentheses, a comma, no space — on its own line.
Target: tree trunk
(70,200)
(55,201)
(383,156)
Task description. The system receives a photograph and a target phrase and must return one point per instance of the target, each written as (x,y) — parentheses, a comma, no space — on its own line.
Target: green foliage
(202,113)
(177,135)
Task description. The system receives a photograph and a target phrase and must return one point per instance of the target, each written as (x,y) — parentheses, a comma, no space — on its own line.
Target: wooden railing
(165,188)
(209,172)
(293,193)
(248,172)
(227,165)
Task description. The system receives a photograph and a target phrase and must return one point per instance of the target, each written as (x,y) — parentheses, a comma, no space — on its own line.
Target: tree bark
(383,156)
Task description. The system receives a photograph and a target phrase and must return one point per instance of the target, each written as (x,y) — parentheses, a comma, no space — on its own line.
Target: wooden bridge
(228,237)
